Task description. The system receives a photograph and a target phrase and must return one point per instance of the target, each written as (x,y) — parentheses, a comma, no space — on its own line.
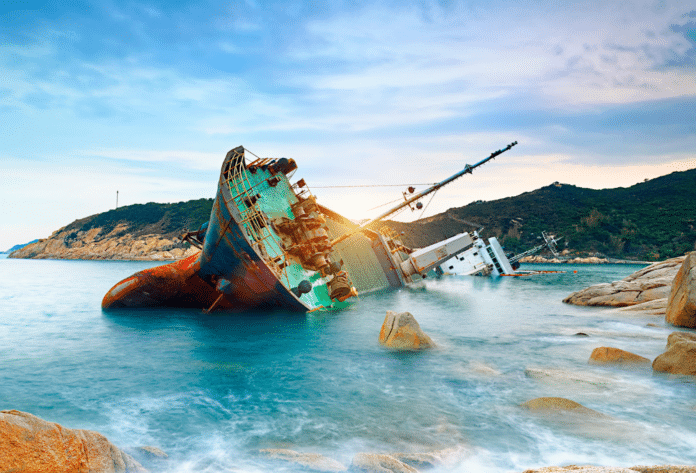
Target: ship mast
(467,170)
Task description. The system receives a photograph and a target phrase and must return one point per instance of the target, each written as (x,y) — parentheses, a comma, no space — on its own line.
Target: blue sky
(146,99)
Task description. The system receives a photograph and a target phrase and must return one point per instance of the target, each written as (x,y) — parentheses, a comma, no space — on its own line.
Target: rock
(581,334)
(680,357)
(379,463)
(402,332)
(611,469)
(436,459)
(31,444)
(117,244)
(580,469)
(153,452)
(609,355)
(561,377)
(681,307)
(665,469)
(653,307)
(559,405)
(648,284)
(311,461)
(675,337)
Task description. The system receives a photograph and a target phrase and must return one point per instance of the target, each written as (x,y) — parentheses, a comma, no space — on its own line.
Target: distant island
(17,247)
(650,221)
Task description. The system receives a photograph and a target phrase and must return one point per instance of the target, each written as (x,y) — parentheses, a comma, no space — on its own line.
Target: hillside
(141,231)
(651,220)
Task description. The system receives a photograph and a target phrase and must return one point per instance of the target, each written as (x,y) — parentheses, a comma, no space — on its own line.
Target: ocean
(213,390)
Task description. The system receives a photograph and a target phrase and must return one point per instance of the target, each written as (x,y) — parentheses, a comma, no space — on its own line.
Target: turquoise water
(212,390)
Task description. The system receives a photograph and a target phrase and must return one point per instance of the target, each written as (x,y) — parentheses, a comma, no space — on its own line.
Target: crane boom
(468,169)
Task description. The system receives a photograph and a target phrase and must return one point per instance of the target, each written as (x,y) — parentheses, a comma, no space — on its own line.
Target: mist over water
(212,390)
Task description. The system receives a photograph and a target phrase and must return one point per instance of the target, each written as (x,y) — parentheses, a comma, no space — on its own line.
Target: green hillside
(651,220)
(151,218)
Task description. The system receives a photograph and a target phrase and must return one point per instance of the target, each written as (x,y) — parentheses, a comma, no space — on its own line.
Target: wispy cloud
(155,94)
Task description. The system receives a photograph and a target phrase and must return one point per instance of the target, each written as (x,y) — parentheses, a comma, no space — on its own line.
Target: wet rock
(610,469)
(581,334)
(379,463)
(402,332)
(568,378)
(681,307)
(680,356)
(440,458)
(580,469)
(153,452)
(30,444)
(665,469)
(609,355)
(653,307)
(311,461)
(651,283)
(559,404)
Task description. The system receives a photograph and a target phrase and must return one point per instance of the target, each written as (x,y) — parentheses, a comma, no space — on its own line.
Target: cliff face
(98,243)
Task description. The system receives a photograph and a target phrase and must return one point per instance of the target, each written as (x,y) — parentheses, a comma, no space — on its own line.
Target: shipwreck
(270,245)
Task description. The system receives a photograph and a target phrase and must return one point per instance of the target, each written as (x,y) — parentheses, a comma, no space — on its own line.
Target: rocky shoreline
(538,259)
(30,444)
(117,244)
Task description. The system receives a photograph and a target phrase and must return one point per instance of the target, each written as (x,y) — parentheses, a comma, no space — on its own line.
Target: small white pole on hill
(116,199)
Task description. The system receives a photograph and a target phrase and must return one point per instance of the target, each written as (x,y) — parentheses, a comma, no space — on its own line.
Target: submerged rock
(580,469)
(31,444)
(649,284)
(610,355)
(681,307)
(402,332)
(680,357)
(311,461)
(437,459)
(153,452)
(568,378)
(613,469)
(379,463)
(558,405)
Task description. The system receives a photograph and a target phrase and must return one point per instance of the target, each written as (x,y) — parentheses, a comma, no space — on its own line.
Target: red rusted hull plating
(171,285)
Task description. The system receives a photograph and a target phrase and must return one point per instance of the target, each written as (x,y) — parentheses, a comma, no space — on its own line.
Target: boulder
(681,306)
(310,461)
(680,356)
(665,469)
(648,284)
(402,332)
(379,463)
(580,469)
(153,452)
(559,405)
(613,469)
(444,459)
(609,355)
(576,379)
(31,444)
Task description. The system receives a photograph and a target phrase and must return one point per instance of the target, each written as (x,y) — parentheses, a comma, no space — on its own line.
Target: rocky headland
(118,243)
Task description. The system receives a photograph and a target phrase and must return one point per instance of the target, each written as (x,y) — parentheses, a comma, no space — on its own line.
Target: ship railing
(267,244)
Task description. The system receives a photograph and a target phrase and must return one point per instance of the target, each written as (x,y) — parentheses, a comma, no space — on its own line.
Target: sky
(146,98)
